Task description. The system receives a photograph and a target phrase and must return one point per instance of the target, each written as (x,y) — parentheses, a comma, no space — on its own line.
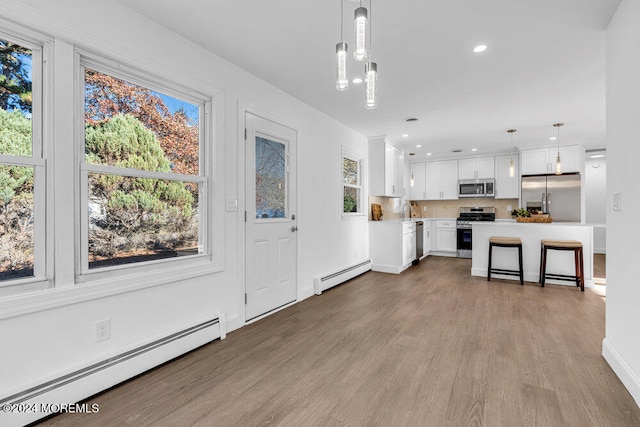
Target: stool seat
(562,243)
(505,240)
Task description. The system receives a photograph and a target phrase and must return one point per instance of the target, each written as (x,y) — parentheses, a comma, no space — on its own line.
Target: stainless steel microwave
(476,188)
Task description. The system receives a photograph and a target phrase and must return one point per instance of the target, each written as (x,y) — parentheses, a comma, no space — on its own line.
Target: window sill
(32,302)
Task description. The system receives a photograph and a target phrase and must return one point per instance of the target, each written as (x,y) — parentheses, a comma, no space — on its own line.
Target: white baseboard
(40,400)
(622,370)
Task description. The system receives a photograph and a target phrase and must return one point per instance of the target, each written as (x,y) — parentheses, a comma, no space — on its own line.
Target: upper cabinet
(386,168)
(441,180)
(507,186)
(540,161)
(476,168)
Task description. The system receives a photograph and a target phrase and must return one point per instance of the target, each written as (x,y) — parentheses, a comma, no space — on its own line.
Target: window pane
(271,182)
(350,171)
(351,199)
(140,219)
(127,125)
(16,222)
(15,99)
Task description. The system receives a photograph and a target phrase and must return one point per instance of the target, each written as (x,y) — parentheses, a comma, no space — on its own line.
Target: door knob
(294,228)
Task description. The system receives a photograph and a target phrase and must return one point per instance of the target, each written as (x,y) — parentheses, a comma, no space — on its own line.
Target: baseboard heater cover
(322,283)
(85,382)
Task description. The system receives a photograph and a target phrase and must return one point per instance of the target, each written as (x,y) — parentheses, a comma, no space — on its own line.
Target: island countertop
(560,262)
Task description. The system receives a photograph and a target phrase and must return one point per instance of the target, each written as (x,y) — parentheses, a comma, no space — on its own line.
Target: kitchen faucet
(403,206)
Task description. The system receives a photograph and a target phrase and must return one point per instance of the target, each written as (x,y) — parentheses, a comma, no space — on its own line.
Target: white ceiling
(545,64)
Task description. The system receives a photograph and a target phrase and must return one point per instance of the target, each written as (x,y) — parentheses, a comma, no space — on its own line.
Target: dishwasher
(419,241)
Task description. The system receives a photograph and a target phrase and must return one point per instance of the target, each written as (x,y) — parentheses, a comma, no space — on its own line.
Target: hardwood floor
(431,347)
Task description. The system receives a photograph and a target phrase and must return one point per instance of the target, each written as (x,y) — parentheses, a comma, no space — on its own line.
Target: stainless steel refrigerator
(557,195)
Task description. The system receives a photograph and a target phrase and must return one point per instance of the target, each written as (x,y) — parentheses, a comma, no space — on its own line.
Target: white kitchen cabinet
(507,186)
(442,180)
(476,168)
(418,191)
(392,245)
(386,168)
(539,161)
(446,236)
(427,238)
(408,244)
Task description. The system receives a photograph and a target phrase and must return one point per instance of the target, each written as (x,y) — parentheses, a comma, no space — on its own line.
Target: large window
(22,166)
(351,183)
(144,172)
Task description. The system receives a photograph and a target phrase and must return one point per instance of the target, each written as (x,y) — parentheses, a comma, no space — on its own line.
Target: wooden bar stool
(562,245)
(505,242)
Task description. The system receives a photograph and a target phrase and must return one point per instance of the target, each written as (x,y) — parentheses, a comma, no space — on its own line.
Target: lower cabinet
(427,238)
(446,236)
(392,245)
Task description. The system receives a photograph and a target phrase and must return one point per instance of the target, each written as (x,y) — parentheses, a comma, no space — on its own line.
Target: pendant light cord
(341,21)
(370,31)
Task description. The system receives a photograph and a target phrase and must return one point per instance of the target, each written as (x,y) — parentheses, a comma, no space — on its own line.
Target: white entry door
(271,216)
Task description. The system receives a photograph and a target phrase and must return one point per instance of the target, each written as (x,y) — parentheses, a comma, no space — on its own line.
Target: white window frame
(41,49)
(180,267)
(359,158)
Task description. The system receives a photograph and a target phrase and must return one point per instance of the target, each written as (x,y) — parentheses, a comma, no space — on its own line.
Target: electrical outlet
(509,208)
(103,330)
(424,208)
(617,201)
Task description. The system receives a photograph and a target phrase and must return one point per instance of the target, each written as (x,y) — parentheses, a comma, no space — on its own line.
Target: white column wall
(621,346)
(45,344)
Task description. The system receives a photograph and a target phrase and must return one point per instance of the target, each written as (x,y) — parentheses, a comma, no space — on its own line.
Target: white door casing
(271,243)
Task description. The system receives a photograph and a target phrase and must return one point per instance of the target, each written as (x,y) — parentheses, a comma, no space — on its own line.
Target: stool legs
(520,265)
(578,258)
(489,269)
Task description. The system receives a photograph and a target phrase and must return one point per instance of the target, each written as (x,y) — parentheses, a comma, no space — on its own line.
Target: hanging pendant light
(371,75)
(512,163)
(412,181)
(558,161)
(342,81)
(360,29)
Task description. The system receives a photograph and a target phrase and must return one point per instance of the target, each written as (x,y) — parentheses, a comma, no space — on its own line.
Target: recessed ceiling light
(357,80)
(480,48)
(474,149)
(428,154)
(411,119)
(418,146)
(552,138)
(404,135)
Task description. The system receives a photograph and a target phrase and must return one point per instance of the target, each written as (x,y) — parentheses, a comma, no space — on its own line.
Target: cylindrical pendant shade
(342,82)
(360,28)
(371,73)
(512,168)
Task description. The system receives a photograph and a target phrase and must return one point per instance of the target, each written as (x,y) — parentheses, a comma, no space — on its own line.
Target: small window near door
(351,183)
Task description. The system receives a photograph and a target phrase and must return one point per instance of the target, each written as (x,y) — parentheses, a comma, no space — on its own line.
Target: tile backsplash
(391,207)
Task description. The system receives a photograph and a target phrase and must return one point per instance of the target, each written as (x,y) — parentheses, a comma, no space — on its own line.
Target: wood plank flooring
(431,347)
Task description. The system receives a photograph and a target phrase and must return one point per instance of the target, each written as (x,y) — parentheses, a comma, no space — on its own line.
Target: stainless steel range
(467,216)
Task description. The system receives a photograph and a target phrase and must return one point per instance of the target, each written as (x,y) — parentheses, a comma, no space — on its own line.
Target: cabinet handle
(393,189)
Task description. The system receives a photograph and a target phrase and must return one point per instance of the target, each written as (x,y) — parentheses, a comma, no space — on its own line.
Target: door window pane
(271,179)
(140,219)
(16,222)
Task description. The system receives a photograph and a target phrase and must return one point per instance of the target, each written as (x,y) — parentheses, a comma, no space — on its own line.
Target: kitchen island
(558,262)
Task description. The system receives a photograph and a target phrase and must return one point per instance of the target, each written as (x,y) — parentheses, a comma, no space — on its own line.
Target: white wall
(595,185)
(44,344)
(621,346)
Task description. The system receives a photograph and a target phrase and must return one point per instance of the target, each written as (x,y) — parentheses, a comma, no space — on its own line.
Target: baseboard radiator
(51,396)
(322,283)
